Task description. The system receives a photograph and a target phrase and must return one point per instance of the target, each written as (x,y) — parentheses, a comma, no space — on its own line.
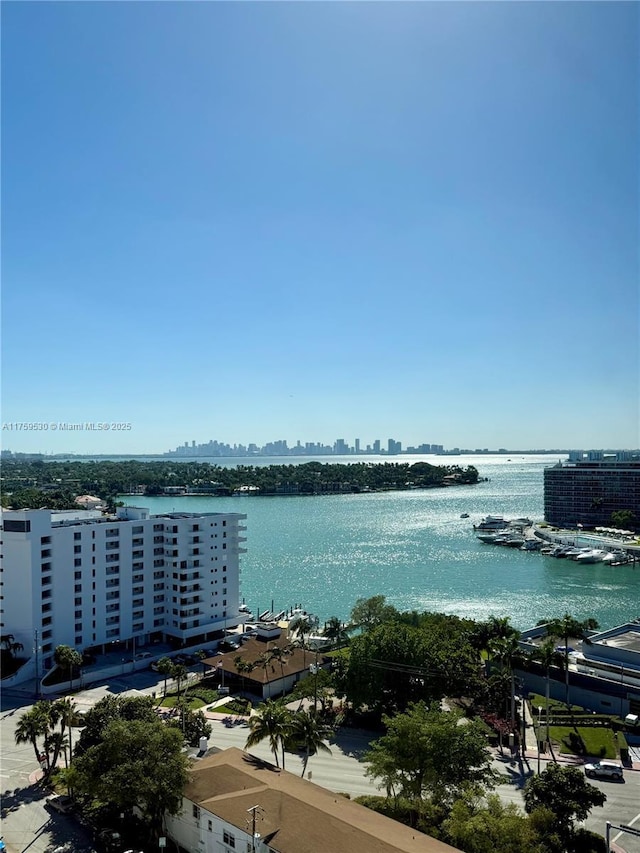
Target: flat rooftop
(629,640)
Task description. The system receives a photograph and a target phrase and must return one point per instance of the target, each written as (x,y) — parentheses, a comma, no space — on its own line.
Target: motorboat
(514,540)
(617,557)
(492,522)
(595,555)
(531,545)
(489,538)
(465,515)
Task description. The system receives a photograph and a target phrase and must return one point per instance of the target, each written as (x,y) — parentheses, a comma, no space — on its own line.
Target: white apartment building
(85,580)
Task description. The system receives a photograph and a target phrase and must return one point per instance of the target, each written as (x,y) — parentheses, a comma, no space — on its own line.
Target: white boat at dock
(595,555)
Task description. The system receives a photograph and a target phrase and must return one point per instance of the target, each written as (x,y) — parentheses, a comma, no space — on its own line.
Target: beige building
(237,802)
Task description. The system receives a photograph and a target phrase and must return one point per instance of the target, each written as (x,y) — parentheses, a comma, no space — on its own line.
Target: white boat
(596,555)
(531,545)
(615,557)
(492,522)
(489,538)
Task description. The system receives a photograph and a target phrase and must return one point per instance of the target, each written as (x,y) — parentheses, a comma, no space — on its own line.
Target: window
(196,811)
(228,839)
(45,540)
(210,825)
(78,640)
(77,576)
(77,561)
(78,614)
(77,536)
(77,549)
(137,530)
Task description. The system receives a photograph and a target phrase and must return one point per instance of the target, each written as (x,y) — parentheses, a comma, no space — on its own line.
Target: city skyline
(254,220)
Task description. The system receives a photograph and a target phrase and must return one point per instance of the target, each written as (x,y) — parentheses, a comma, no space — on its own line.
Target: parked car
(60,803)
(604,769)
(143,655)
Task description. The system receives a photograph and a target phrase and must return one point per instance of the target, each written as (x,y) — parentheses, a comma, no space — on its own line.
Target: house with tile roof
(238,802)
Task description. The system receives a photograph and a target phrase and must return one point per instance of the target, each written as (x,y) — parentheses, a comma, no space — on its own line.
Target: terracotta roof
(297,816)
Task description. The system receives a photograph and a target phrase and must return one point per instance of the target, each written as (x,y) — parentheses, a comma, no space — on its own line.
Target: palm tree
(507,651)
(68,711)
(179,673)
(242,666)
(201,656)
(302,627)
(308,734)
(547,655)
(568,628)
(165,667)
(335,631)
(32,725)
(263,661)
(272,723)
(279,654)
(67,658)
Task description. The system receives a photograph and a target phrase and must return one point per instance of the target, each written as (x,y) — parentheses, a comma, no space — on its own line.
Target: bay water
(325,552)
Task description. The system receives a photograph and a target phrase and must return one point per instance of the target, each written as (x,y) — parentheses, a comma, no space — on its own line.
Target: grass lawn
(536,700)
(171,701)
(598,740)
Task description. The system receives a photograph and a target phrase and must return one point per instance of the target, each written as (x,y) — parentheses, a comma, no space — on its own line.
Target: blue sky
(255,221)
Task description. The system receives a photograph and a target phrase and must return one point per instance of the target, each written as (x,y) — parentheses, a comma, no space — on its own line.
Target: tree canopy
(394,664)
(565,793)
(430,753)
(135,764)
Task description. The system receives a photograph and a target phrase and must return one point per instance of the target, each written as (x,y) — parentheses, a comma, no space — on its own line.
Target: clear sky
(259,221)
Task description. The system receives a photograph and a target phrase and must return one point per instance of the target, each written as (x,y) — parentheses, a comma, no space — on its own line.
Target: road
(29,828)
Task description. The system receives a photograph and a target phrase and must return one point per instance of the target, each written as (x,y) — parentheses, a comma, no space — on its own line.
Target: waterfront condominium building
(87,580)
(588,488)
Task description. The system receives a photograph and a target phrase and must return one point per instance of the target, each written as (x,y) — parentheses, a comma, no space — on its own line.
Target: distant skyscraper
(357,445)
(376,446)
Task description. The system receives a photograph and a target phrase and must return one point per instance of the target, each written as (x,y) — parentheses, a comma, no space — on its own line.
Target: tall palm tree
(302,627)
(68,711)
(308,734)
(179,673)
(507,651)
(32,725)
(165,668)
(273,723)
(263,661)
(547,655)
(280,654)
(567,628)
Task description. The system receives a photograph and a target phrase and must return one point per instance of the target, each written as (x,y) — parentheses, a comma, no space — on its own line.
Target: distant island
(29,483)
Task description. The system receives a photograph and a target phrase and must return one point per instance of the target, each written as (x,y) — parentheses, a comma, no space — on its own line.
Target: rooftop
(295,815)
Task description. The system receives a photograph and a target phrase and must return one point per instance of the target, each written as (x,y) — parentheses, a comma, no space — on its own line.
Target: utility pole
(254,813)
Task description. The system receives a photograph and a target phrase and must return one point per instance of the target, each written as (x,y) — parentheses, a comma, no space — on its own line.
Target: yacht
(596,555)
(615,557)
(489,538)
(492,522)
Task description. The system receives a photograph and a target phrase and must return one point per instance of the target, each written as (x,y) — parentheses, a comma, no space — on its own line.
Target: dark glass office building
(587,490)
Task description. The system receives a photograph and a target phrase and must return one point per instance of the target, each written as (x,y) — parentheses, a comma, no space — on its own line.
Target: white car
(604,769)
(60,803)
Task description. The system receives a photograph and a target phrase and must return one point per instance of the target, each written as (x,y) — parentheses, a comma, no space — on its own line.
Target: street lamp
(538,736)
(221,668)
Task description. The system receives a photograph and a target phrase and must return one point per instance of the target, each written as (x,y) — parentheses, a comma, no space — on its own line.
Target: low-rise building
(604,672)
(237,802)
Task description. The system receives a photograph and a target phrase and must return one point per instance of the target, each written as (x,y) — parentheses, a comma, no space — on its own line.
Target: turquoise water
(414,548)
